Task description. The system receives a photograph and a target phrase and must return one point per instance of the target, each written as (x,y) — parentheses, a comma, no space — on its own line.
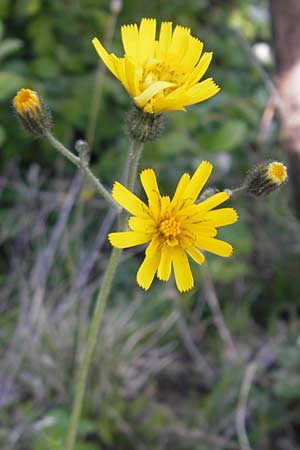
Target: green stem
(82,166)
(132,164)
(104,291)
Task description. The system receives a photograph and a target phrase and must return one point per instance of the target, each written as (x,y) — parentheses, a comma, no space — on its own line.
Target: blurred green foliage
(145,388)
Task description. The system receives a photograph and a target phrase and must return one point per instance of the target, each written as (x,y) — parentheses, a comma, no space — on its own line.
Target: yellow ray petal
(119,65)
(149,183)
(182,271)
(172,101)
(200,69)
(201,229)
(129,201)
(215,246)
(196,255)
(182,184)
(153,89)
(147,270)
(198,180)
(200,92)
(153,247)
(211,202)
(131,76)
(221,217)
(192,54)
(126,239)
(164,206)
(130,35)
(146,39)
(162,105)
(164,42)
(106,58)
(142,225)
(165,264)
(179,44)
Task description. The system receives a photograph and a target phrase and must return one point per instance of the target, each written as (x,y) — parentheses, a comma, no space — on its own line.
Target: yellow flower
(26,102)
(276,172)
(175,228)
(160,74)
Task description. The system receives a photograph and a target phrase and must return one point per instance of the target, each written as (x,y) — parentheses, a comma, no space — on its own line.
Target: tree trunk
(285,16)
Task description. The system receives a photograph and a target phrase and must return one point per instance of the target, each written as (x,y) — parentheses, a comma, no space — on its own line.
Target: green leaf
(227,137)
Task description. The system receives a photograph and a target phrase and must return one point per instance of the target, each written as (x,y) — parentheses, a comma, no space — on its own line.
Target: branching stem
(104,291)
(82,166)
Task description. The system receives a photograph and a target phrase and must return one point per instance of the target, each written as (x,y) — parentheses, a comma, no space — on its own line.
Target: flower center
(156,70)
(170,229)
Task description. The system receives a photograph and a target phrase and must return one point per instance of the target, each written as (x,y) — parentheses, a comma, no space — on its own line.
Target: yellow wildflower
(161,74)
(174,227)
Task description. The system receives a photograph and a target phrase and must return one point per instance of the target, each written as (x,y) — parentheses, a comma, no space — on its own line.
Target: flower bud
(144,127)
(82,147)
(266,178)
(32,112)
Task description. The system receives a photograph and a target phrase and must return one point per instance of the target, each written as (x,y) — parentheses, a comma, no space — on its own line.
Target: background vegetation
(187,372)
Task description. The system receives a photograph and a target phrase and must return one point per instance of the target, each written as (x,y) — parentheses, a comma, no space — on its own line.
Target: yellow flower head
(27,101)
(160,74)
(174,227)
(276,172)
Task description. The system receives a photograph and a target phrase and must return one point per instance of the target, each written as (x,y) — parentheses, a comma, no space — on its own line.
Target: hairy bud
(266,178)
(32,112)
(144,127)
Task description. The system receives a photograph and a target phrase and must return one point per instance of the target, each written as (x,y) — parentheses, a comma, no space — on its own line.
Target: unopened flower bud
(265,178)
(82,147)
(32,112)
(144,127)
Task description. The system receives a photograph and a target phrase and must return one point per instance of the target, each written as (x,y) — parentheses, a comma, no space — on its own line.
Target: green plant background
(148,388)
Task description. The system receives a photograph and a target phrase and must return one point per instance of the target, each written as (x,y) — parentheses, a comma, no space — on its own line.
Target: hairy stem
(104,291)
(82,166)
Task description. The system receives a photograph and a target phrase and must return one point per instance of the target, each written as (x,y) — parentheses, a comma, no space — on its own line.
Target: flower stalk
(82,165)
(90,345)
(133,160)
